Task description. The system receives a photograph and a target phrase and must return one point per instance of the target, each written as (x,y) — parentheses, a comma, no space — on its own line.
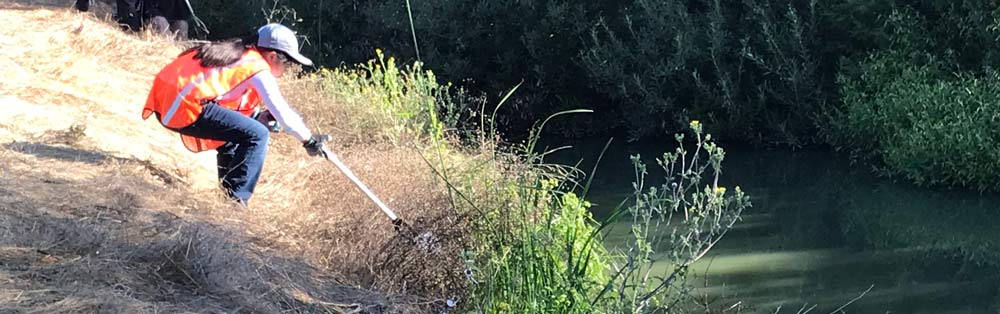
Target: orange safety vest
(183,85)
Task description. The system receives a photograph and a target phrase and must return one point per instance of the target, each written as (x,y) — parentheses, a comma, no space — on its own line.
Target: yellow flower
(720,190)
(695,122)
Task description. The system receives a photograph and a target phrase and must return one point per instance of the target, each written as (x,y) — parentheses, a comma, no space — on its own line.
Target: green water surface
(823,231)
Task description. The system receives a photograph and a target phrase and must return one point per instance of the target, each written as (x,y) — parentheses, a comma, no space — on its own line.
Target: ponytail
(222,53)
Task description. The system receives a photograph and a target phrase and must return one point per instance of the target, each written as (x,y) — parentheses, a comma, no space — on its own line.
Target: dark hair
(222,53)
(282,56)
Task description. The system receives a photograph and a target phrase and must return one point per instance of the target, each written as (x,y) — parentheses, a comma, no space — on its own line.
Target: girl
(210,93)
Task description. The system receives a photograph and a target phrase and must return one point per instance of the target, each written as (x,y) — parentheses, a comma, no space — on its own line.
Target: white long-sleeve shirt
(266,86)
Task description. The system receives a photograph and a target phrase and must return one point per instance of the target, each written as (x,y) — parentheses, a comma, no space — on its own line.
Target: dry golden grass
(103,212)
(98,234)
(62,68)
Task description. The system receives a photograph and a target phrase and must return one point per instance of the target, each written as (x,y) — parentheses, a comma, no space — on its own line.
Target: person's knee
(258,134)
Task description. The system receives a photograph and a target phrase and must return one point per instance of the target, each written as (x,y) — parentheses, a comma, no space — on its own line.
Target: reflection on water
(822,231)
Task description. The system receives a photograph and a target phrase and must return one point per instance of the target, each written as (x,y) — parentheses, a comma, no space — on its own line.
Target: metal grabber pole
(396,221)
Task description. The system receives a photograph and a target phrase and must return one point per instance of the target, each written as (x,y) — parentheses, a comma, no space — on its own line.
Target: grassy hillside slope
(101,211)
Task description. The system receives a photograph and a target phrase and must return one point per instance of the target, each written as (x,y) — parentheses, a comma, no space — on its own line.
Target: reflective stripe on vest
(181,87)
(191,85)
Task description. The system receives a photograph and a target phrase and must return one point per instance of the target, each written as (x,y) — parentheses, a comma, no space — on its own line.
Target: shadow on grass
(43,150)
(73,154)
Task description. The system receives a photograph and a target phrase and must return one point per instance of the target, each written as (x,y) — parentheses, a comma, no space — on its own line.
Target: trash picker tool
(396,221)
(426,239)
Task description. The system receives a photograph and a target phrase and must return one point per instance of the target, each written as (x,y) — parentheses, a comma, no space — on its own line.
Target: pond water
(823,231)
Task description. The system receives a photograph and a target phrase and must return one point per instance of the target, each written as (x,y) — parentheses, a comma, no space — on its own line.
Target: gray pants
(176,29)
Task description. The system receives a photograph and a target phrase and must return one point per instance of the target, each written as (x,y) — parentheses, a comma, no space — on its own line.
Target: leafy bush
(399,104)
(904,109)
(542,255)
(492,45)
(486,45)
(750,68)
(537,249)
(760,70)
(645,65)
(533,244)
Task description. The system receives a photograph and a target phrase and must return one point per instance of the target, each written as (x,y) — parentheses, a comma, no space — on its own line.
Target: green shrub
(749,68)
(904,108)
(535,247)
(645,65)
(945,132)
(542,255)
(399,104)
(756,70)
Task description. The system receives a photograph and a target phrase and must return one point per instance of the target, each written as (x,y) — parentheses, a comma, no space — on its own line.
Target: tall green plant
(679,221)
(405,103)
(538,250)
(535,246)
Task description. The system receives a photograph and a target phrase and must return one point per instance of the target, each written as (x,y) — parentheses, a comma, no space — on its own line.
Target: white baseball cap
(278,37)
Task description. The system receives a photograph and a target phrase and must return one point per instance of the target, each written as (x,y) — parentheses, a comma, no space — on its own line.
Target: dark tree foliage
(763,71)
